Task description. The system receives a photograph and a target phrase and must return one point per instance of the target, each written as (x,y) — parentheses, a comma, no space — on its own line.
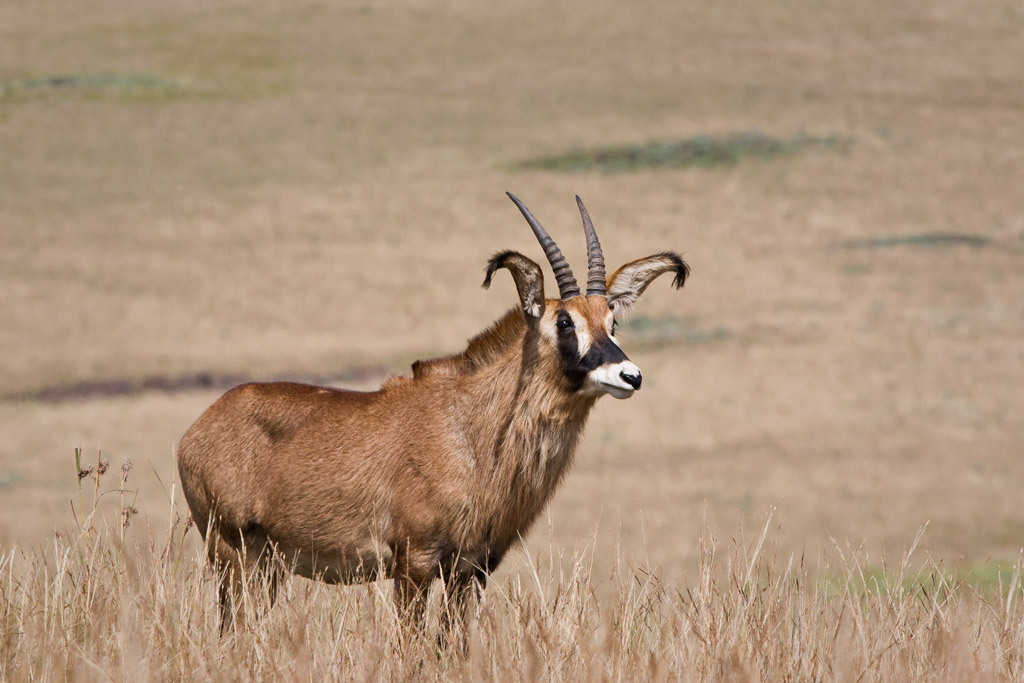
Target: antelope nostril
(632,380)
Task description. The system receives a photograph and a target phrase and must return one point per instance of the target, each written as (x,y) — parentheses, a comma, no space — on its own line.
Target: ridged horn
(596,280)
(567,287)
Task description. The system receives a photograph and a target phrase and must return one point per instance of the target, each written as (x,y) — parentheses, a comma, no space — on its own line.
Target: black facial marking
(568,353)
(602,351)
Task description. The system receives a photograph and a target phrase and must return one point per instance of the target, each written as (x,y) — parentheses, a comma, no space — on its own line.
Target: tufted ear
(529,281)
(628,282)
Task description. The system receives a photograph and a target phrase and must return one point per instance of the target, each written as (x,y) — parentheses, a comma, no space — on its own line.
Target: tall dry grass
(101,604)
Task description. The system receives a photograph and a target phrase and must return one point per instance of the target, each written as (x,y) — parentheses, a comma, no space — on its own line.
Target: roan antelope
(434,475)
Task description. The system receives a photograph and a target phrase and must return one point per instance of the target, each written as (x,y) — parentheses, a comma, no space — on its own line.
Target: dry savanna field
(821,478)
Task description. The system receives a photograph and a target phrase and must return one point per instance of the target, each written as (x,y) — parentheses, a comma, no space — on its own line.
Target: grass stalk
(111,601)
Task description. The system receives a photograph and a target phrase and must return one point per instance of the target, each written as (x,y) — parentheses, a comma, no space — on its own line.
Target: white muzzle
(618,379)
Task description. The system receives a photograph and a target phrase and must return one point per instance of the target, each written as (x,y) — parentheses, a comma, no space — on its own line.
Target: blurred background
(197,194)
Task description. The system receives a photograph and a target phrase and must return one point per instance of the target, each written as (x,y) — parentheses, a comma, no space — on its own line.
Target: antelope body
(434,475)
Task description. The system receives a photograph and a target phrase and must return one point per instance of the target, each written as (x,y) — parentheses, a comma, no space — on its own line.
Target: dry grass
(98,604)
(267,190)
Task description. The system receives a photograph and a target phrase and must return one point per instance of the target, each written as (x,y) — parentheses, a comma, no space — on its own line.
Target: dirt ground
(263,191)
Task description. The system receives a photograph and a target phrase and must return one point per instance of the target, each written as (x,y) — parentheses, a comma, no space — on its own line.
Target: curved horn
(567,286)
(596,282)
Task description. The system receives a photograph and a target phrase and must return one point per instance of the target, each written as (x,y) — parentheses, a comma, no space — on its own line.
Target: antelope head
(577,330)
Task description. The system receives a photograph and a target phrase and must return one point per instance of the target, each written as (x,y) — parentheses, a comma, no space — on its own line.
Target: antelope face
(579,330)
(582,333)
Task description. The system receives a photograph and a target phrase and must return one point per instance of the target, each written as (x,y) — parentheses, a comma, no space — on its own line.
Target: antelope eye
(564,324)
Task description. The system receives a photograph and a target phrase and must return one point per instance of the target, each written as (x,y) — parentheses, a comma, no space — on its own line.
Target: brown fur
(460,460)
(434,475)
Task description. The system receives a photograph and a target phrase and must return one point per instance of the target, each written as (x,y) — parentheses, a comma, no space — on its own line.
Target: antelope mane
(489,346)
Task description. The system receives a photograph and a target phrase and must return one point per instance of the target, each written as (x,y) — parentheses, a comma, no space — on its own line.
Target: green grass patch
(701,151)
(991,580)
(126,86)
(647,332)
(924,239)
